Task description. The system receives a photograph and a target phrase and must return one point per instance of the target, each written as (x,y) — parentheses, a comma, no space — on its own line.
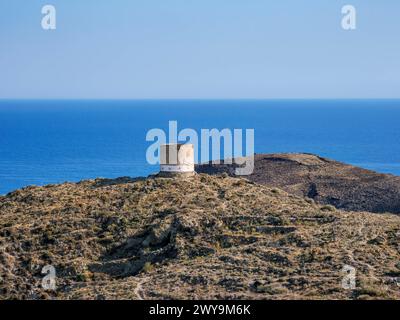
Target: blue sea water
(44,142)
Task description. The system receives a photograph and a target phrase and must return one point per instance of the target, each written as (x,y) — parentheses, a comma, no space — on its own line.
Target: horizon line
(197,99)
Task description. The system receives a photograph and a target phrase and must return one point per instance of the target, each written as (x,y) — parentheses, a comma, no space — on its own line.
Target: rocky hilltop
(326,181)
(208,237)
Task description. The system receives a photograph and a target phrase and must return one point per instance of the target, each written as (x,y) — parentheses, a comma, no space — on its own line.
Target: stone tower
(176,159)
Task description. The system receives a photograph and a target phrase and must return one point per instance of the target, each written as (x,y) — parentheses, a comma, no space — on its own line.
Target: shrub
(148,267)
(328,207)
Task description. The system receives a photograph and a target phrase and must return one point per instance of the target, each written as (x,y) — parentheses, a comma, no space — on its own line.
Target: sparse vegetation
(148,267)
(321,180)
(328,208)
(199,237)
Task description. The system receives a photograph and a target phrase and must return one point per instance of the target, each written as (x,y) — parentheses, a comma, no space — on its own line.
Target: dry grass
(200,237)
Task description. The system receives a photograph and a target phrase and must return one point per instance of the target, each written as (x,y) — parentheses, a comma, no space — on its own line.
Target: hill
(207,237)
(326,181)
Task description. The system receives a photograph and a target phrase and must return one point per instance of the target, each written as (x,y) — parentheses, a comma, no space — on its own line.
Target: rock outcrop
(326,181)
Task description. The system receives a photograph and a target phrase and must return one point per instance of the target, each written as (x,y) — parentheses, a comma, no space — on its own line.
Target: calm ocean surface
(44,142)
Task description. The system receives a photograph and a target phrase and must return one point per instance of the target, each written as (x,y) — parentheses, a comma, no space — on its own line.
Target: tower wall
(177,158)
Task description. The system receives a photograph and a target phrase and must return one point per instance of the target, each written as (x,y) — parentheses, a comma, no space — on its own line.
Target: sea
(47,142)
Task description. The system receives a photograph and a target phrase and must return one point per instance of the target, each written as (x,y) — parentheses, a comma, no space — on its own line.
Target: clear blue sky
(131,49)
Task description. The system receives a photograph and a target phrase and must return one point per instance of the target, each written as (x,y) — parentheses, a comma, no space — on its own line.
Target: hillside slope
(207,237)
(326,181)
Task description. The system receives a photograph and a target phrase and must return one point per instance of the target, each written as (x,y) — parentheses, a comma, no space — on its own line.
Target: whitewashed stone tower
(177,159)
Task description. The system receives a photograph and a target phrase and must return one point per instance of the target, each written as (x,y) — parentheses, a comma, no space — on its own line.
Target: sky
(199,49)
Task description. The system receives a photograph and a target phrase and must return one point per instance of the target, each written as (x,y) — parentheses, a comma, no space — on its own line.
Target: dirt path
(139,292)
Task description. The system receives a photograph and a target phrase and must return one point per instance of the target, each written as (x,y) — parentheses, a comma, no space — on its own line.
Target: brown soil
(208,237)
(326,181)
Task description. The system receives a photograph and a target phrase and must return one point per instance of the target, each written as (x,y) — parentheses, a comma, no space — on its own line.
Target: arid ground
(201,237)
